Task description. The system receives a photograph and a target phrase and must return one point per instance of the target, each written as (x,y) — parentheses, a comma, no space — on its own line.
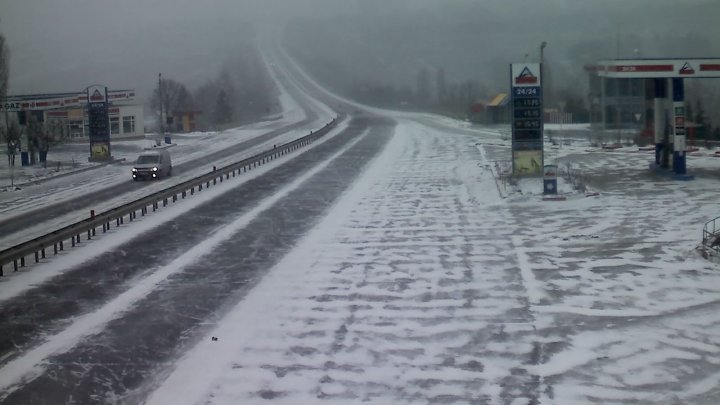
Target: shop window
(129,124)
(114,125)
(76,128)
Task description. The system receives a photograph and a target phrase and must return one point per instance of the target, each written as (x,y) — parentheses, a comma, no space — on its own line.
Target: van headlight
(154,169)
(134,170)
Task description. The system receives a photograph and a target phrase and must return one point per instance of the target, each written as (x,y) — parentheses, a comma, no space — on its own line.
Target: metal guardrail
(711,235)
(56,240)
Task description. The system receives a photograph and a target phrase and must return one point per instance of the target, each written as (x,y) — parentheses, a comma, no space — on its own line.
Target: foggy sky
(69,44)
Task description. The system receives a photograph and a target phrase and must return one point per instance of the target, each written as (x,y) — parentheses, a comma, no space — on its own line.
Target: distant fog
(69,44)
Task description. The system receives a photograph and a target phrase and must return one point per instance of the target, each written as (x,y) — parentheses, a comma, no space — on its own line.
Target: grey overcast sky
(63,45)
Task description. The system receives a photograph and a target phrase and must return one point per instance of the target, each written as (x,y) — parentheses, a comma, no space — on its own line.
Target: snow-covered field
(424,285)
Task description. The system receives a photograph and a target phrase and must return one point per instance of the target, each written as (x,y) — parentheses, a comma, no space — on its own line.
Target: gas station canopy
(659,68)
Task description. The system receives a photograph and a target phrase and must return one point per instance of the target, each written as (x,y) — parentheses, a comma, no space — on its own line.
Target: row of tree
(242,92)
(433,92)
(40,134)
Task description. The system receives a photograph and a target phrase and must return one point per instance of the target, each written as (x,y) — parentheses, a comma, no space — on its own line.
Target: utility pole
(162,101)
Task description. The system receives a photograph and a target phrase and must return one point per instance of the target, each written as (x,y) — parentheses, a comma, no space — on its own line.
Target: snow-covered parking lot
(423,285)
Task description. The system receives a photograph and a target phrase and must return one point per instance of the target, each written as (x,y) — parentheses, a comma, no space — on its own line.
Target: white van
(152,164)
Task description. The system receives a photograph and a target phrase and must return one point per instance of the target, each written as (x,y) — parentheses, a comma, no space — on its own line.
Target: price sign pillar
(527,119)
(98,123)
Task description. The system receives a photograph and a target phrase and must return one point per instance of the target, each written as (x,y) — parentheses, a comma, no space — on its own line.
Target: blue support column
(678,123)
(660,86)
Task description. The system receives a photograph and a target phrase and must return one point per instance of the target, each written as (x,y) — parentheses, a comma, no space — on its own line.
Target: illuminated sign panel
(527,119)
(98,123)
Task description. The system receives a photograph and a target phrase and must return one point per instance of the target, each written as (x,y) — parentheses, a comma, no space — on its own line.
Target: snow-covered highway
(385,264)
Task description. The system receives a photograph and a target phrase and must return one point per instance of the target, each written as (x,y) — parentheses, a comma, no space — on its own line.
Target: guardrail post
(208,184)
(165,202)
(15,266)
(215,181)
(117,222)
(37,257)
(89,236)
(62,246)
(43,252)
(22,261)
(55,248)
(73,241)
(174,197)
(93,231)
(1,271)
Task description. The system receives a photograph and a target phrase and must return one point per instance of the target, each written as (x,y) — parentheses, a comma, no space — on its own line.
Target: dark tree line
(242,92)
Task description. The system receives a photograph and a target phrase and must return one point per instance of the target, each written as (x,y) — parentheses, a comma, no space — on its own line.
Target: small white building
(68,111)
(126,120)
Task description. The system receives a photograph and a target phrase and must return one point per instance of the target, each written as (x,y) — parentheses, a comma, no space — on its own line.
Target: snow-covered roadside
(384,300)
(423,285)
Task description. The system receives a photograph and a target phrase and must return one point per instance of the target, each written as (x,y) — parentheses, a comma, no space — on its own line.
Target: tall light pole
(160,96)
(542,61)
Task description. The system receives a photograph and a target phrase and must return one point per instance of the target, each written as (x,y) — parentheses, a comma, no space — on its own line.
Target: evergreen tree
(223,113)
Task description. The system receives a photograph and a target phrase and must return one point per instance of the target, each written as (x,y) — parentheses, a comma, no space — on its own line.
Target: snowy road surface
(423,286)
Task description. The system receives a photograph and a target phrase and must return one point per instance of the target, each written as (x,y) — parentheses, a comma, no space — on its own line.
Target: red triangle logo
(686,69)
(526,77)
(96,96)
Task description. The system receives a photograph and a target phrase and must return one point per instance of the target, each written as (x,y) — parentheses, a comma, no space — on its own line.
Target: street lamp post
(160,96)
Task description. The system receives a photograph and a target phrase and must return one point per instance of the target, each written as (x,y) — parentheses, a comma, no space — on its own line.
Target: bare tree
(4,66)
(10,131)
(169,97)
(43,135)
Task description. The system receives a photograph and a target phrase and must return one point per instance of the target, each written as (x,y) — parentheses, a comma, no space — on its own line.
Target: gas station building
(651,93)
(126,118)
(70,110)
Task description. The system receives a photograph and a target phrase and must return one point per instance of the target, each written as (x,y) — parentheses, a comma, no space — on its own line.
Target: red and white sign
(59,100)
(97,94)
(525,74)
(659,68)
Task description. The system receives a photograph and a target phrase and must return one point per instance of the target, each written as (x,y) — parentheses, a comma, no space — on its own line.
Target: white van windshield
(148,159)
